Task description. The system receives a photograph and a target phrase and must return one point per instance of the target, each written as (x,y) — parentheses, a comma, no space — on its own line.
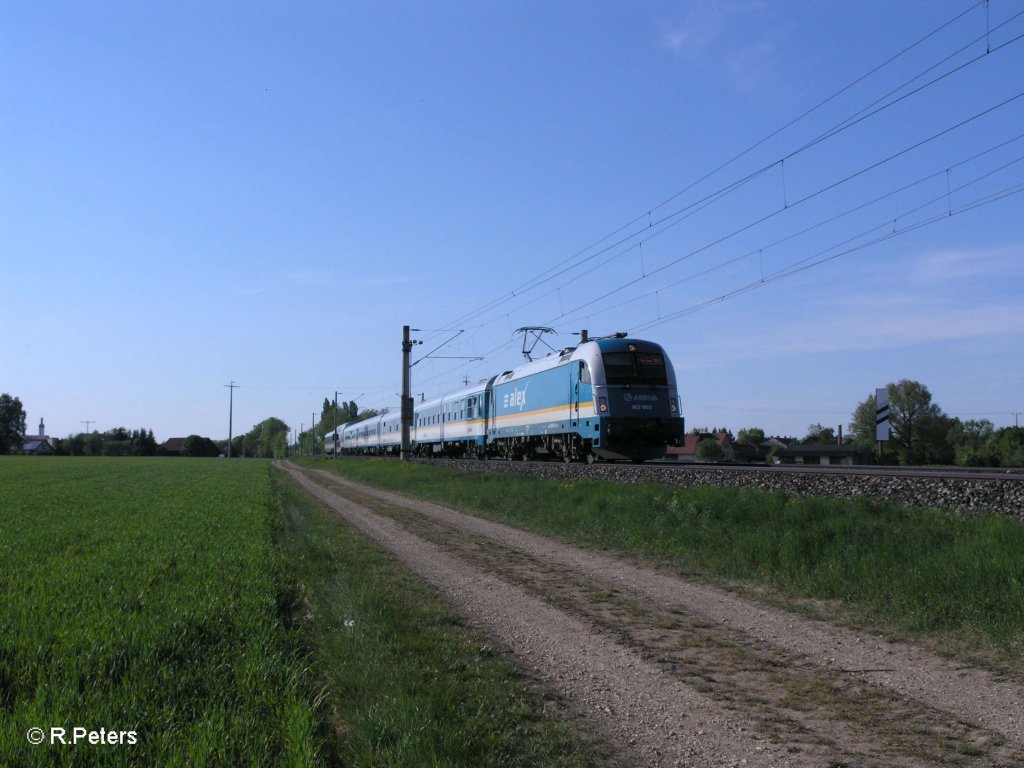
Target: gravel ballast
(961,495)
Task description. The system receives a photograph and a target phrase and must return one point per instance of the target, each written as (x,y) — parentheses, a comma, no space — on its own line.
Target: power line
(806,198)
(572,260)
(800,266)
(653,228)
(836,217)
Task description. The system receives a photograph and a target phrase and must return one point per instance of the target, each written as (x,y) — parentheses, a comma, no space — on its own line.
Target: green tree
(862,423)
(12,424)
(753,435)
(143,442)
(915,421)
(327,416)
(822,433)
(116,442)
(346,412)
(1007,446)
(708,449)
(268,439)
(72,445)
(92,445)
(273,438)
(971,442)
(199,446)
(918,429)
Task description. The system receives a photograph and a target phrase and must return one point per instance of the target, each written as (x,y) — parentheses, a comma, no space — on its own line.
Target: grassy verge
(405,683)
(145,596)
(959,581)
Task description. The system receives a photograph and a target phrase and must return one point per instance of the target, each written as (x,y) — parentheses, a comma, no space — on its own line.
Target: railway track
(962,491)
(949,473)
(864,470)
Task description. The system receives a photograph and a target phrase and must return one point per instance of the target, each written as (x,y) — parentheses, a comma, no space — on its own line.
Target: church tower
(42,429)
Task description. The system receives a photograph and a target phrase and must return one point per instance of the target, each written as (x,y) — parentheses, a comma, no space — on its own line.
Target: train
(613,398)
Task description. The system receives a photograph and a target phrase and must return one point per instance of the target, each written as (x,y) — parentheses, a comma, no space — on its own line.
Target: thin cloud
(735,37)
(677,40)
(958,265)
(896,319)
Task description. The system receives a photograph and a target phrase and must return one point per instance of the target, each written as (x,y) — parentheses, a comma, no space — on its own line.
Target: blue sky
(198,193)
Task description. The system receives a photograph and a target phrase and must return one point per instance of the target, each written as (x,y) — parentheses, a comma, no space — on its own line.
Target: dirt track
(667,672)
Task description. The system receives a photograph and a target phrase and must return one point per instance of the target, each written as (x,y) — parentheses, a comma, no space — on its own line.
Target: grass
(925,572)
(228,619)
(405,682)
(145,595)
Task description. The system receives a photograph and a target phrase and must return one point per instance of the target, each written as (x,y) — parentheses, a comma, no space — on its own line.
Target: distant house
(173,446)
(750,453)
(39,445)
(811,451)
(777,442)
(687,452)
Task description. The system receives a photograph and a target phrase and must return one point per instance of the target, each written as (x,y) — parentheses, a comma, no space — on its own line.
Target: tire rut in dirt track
(669,672)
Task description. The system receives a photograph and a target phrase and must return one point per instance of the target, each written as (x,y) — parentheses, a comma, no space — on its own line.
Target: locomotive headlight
(602,404)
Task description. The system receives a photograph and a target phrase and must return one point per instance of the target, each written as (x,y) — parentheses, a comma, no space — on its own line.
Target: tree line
(921,433)
(114,442)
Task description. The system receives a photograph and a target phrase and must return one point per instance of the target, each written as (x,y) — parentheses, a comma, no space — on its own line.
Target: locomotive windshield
(621,368)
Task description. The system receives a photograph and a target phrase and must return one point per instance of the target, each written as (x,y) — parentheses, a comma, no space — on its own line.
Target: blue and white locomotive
(611,398)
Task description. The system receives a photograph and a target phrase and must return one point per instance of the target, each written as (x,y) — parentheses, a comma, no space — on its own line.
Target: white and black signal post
(881,417)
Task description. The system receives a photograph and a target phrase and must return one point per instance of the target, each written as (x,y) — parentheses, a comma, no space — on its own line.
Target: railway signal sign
(882,414)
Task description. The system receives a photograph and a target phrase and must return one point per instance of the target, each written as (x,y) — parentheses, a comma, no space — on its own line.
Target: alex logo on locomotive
(515,399)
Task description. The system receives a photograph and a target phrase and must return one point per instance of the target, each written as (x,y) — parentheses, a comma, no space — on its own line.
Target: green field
(215,615)
(143,596)
(195,610)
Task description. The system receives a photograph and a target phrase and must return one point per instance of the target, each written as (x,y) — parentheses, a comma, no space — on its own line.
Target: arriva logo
(515,399)
(629,398)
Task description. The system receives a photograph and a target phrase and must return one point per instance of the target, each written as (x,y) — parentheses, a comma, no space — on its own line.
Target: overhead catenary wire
(801,266)
(827,188)
(759,251)
(574,260)
(653,227)
(820,257)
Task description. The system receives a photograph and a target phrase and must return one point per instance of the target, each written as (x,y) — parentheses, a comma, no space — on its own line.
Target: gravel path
(667,672)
